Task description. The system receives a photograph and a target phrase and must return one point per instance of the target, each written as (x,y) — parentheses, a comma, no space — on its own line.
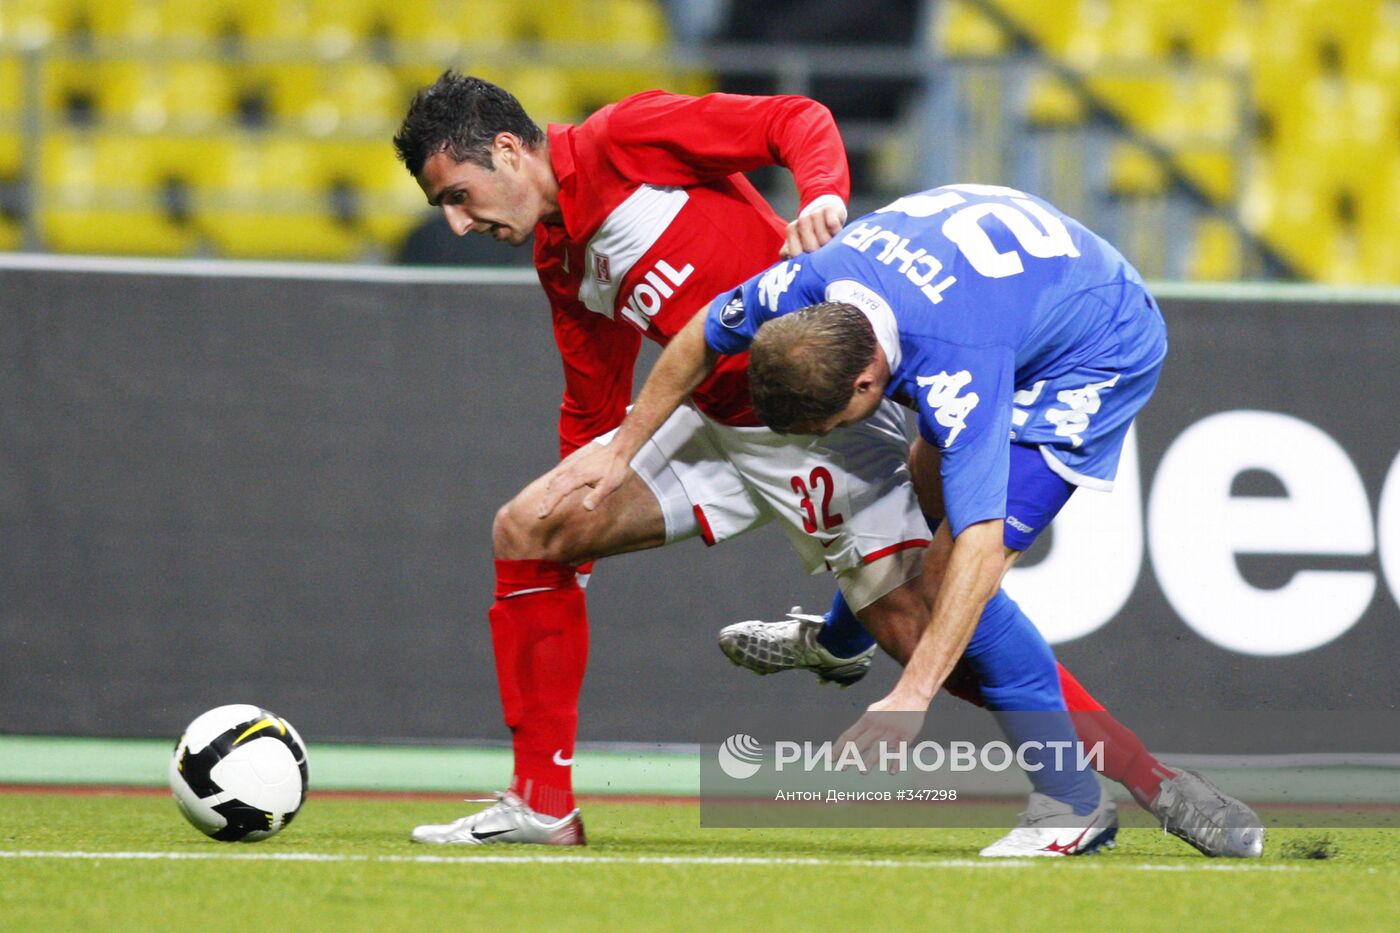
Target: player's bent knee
(518,533)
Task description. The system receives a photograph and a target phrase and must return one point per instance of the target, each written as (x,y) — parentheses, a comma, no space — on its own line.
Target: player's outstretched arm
(683,365)
(974,573)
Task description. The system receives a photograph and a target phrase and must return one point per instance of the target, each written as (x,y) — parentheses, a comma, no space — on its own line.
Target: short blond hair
(803,366)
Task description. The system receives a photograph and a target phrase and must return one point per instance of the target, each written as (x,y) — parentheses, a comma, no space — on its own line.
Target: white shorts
(845,500)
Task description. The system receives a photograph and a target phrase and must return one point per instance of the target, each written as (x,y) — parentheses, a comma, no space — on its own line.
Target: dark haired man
(1026,345)
(639,215)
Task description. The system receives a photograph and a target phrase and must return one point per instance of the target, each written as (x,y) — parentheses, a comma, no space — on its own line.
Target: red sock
(539,630)
(1125,759)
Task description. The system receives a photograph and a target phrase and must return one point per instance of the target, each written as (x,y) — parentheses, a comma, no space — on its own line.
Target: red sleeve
(599,354)
(670,139)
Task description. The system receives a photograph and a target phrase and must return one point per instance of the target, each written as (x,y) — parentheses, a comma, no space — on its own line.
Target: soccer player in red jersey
(640,215)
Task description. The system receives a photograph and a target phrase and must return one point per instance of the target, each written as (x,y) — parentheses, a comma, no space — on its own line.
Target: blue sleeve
(964,409)
(735,316)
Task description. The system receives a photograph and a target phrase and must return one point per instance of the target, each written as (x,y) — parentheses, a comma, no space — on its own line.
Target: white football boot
(1050,828)
(1192,808)
(769,647)
(510,820)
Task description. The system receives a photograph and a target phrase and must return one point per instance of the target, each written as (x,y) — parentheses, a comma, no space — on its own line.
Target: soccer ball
(239,773)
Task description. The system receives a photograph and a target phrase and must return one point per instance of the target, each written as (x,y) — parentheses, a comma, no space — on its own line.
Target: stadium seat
(11,235)
(11,153)
(1212,169)
(1215,252)
(962,28)
(478,24)
(264,20)
(102,194)
(1051,102)
(11,91)
(546,93)
(273,204)
(621,24)
(35,23)
(387,201)
(146,96)
(1134,172)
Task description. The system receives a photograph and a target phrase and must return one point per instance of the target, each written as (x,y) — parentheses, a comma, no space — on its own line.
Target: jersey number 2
(819,477)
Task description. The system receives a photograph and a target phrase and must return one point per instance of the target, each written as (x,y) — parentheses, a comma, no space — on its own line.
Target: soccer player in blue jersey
(1025,344)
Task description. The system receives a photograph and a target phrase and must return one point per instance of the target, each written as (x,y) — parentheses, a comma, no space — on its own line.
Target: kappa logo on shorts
(732,314)
(1083,403)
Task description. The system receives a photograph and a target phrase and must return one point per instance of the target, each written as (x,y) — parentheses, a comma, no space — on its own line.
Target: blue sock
(1021,685)
(842,634)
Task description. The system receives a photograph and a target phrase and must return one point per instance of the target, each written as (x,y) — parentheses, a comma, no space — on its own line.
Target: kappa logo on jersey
(732,314)
(602,270)
(950,409)
(776,281)
(648,295)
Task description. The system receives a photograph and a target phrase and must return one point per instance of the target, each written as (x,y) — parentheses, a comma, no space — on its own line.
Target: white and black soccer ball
(239,773)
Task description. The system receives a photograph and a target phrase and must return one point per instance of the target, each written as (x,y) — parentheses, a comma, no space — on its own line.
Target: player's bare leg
(539,631)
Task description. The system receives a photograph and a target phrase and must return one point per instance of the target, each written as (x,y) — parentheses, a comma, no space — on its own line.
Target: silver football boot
(1192,808)
(770,647)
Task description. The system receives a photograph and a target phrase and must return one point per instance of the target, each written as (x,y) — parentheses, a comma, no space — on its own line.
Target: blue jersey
(1003,321)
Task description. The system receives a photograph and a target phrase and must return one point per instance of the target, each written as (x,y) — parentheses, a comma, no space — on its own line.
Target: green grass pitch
(346,864)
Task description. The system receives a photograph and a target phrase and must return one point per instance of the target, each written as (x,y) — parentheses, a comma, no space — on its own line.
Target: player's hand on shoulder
(815,226)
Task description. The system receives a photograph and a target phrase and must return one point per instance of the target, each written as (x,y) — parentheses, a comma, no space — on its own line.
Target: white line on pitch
(615,860)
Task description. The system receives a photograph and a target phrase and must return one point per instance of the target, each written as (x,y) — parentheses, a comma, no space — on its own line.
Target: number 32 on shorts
(819,484)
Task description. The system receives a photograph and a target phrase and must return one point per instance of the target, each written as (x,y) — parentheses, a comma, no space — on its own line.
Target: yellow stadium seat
(390,203)
(289,89)
(1051,102)
(1378,223)
(1052,28)
(29,23)
(11,89)
(68,86)
(621,24)
(961,28)
(479,24)
(11,235)
(115,19)
(1213,169)
(150,96)
(546,93)
(207,19)
(1134,172)
(11,153)
(1215,252)
(272,205)
(364,95)
(281,20)
(354,96)
(100,194)
(1144,101)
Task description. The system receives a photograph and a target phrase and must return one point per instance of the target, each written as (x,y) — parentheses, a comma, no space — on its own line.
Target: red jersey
(658,220)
